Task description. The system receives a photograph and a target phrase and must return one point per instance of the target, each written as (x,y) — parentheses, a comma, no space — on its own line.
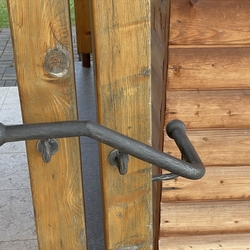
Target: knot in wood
(57,62)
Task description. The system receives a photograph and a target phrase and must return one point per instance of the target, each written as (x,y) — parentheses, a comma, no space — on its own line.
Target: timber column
(121,32)
(41,35)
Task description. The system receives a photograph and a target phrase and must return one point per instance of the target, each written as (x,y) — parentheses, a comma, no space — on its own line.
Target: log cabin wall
(208,88)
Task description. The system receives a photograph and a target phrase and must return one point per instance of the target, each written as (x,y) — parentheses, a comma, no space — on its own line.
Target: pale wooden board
(217,147)
(209,68)
(206,242)
(123,78)
(37,27)
(210,22)
(209,109)
(83,30)
(198,218)
(219,183)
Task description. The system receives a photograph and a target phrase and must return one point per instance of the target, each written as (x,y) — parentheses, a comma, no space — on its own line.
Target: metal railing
(190,167)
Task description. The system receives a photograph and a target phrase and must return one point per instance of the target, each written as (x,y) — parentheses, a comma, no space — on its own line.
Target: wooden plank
(209,22)
(219,183)
(209,109)
(83,30)
(217,147)
(158,63)
(196,218)
(159,53)
(209,68)
(122,67)
(160,19)
(157,90)
(43,58)
(206,242)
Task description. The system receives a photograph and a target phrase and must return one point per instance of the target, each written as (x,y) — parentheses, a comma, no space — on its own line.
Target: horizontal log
(219,183)
(209,109)
(209,68)
(217,147)
(205,217)
(210,22)
(206,242)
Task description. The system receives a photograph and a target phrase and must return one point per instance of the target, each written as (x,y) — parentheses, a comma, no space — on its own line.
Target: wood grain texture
(208,68)
(159,53)
(235,241)
(123,75)
(208,89)
(160,19)
(39,27)
(210,22)
(199,218)
(209,109)
(219,183)
(217,147)
(83,30)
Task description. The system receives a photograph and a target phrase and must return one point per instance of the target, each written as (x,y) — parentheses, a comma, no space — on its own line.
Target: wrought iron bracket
(119,160)
(47,148)
(191,168)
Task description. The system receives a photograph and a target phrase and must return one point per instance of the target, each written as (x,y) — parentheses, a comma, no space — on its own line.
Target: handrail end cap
(173,125)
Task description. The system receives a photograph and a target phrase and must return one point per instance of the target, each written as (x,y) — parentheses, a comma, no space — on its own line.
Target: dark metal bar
(194,169)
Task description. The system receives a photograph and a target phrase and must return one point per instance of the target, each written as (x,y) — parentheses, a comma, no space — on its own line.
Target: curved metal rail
(192,169)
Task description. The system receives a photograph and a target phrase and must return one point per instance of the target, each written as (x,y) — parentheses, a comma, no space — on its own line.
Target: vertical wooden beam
(41,35)
(123,76)
(160,14)
(83,31)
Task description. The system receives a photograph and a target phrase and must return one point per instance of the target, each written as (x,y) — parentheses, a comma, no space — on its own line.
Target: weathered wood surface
(210,22)
(198,218)
(206,242)
(41,34)
(219,183)
(160,19)
(123,70)
(209,67)
(83,30)
(158,94)
(159,54)
(208,88)
(210,109)
(217,147)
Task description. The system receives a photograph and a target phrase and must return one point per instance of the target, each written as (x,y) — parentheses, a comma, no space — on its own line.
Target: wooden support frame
(123,77)
(41,35)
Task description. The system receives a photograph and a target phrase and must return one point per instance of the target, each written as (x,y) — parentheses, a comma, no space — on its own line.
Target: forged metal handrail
(176,130)
(193,169)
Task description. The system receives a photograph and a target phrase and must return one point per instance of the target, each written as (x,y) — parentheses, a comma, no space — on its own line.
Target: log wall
(208,87)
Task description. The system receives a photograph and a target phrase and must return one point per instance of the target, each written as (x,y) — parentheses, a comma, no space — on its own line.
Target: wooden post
(123,74)
(83,31)
(160,14)
(41,35)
